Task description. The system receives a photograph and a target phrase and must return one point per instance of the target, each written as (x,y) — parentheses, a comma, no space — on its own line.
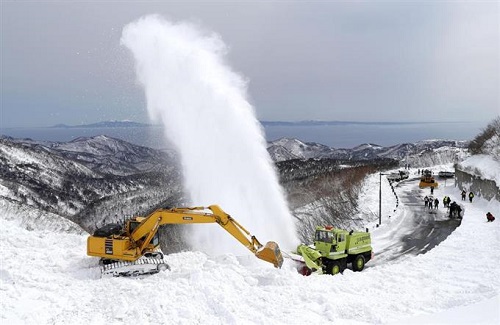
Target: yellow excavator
(133,249)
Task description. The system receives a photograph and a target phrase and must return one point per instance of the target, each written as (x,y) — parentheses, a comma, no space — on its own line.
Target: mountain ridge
(96,180)
(291,148)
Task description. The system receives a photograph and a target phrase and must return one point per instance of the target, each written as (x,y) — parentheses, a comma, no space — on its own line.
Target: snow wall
(481,187)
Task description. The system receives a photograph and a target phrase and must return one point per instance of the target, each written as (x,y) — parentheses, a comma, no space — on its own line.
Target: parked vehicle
(445,174)
(399,176)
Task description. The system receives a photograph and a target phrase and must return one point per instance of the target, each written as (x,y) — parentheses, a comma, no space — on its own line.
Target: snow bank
(485,312)
(484,166)
(46,277)
(30,218)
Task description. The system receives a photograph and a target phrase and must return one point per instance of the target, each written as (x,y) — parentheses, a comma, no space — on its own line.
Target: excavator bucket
(271,253)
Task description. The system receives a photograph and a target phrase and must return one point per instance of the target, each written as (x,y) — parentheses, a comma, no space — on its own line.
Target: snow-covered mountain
(88,179)
(289,148)
(86,176)
(422,153)
(113,156)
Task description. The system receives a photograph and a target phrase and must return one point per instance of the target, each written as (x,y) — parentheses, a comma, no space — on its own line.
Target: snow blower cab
(334,248)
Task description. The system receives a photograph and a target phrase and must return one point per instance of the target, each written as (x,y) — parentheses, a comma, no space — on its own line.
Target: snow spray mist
(203,107)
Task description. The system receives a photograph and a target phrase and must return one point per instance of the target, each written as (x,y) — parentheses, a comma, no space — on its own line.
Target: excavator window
(133,225)
(156,239)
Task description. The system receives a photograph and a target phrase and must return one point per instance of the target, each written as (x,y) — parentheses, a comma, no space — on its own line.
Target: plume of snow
(203,106)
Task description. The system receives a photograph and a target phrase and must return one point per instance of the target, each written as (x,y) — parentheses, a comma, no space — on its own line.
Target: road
(419,230)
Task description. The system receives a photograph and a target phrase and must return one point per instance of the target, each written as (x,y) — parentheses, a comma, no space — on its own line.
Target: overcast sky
(359,61)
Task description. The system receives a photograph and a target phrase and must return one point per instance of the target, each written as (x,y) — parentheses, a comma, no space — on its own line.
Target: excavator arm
(270,252)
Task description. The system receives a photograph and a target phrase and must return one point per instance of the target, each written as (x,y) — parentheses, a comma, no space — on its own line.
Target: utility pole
(380,200)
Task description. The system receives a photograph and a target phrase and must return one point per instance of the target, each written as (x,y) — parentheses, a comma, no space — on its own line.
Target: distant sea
(338,135)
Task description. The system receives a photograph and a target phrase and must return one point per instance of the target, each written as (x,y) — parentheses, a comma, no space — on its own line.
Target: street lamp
(380,199)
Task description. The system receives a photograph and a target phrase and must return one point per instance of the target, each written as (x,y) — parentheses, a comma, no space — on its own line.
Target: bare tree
(331,199)
(477,145)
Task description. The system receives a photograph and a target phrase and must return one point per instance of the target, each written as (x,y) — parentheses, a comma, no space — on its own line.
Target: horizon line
(263,122)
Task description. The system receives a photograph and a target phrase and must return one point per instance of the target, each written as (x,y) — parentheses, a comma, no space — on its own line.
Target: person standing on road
(432,190)
(445,199)
(436,203)
(471,196)
(463,195)
(426,201)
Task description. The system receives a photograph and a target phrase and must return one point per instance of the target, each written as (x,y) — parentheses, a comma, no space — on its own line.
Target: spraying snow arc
(203,107)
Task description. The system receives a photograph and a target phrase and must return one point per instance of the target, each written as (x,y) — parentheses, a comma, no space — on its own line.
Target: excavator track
(142,266)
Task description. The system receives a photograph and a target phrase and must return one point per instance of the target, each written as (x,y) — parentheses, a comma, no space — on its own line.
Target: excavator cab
(270,253)
(134,223)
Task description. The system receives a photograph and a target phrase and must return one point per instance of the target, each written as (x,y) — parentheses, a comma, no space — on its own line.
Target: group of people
(464,194)
(455,210)
(430,202)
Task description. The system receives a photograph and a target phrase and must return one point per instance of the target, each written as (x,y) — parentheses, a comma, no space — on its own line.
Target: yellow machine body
(140,234)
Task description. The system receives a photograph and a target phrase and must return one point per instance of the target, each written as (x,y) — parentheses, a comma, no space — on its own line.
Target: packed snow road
(420,228)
